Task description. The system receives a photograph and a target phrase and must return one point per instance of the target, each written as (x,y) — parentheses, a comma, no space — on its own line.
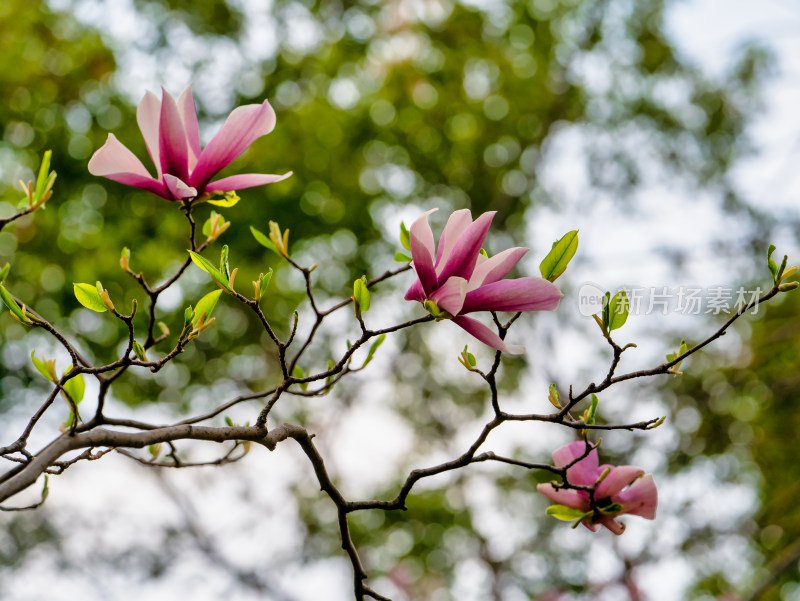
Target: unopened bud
(788,286)
(107,301)
(124,259)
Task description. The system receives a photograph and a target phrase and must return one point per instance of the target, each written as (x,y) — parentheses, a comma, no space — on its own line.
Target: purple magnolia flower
(172,136)
(461,280)
(625,489)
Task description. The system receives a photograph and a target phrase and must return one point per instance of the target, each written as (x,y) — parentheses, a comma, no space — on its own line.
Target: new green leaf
(205,306)
(89,297)
(374,347)
(206,266)
(361,294)
(556,261)
(405,238)
(47,367)
(75,387)
(263,239)
(618,310)
(566,514)
(12,305)
(773,266)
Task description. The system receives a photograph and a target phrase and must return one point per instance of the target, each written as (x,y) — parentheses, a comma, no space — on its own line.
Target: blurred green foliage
(749,423)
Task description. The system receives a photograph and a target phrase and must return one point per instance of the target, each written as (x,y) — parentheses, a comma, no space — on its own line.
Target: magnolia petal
(586,471)
(495,268)
(617,479)
(190,126)
(523,294)
(486,335)
(450,297)
(612,524)
(455,226)
(114,157)
(464,255)
(415,292)
(421,241)
(242,127)
(177,188)
(244,180)
(115,162)
(172,146)
(640,499)
(565,496)
(148,114)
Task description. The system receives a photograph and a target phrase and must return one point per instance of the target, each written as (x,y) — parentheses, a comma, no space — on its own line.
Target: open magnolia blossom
(456,278)
(620,489)
(172,136)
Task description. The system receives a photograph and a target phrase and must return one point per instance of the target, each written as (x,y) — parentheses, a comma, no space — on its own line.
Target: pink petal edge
(243,126)
(245,180)
(486,335)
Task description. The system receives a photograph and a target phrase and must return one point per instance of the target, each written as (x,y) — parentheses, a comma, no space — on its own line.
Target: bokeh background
(665,131)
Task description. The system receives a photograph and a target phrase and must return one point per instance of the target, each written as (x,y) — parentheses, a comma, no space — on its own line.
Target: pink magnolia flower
(625,489)
(172,136)
(461,280)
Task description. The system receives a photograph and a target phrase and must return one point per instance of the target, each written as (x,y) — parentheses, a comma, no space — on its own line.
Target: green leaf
(229,421)
(45,488)
(298,372)
(43,367)
(556,261)
(44,175)
(224,267)
(205,306)
(89,297)
(554,397)
(401,258)
(265,280)
(361,294)
(773,266)
(612,509)
(228,200)
(12,305)
(567,514)
(374,347)
(138,350)
(329,379)
(206,266)
(405,238)
(484,253)
(263,239)
(606,310)
(470,357)
(592,410)
(75,387)
(618,310)
(188,316)
(4,272)
(207,224)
